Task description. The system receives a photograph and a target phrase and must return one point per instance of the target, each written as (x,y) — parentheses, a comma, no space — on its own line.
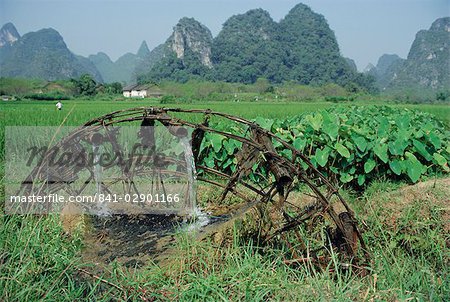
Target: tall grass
(39,261)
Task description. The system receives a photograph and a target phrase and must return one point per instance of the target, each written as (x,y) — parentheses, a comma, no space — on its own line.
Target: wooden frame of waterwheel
(311,230)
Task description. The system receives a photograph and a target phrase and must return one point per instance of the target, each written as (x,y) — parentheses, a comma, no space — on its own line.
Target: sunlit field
(77,112)
(405,227)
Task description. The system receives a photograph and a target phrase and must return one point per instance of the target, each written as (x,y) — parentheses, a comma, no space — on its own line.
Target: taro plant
(353,145)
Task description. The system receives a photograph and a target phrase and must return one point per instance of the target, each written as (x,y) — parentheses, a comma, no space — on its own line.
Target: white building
(141,91)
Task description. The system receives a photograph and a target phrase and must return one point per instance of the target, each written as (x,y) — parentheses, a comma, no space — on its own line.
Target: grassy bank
(406,227)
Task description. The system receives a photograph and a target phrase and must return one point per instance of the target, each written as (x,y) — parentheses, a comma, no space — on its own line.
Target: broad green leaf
(369,165)
(209,161)
(277,144)
(265,123)
(322,156)
(418,134)
(414,168)
(435,140)
(229,146)
(396,166)
(299,143)
(352,170)
(383,127)
(361,179)
(314,161)
(381,151)
(216,142)
(295,131)
(221,155)
(205,144)
(342,150)
(441,161)
(398,146)
(304,165)
(345,177)
(330,125)
(331,129)
(284,135)
(361,143)
(315,121)
(404,134)
(428,127)
(403,121)
(421,148)
(227,163)
(233,167)
(286,153)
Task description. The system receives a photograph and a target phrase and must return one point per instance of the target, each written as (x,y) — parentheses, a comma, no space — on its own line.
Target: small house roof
(130,87)
(149,87)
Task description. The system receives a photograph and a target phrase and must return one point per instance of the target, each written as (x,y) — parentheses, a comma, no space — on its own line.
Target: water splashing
(191,171)
(102,209)
(197,218)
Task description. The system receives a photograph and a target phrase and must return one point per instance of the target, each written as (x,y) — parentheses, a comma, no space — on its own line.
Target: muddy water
(139,240)
(135,241)
(131,240)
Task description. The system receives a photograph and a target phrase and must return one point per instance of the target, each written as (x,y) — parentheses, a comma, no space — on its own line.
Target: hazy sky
(365,29)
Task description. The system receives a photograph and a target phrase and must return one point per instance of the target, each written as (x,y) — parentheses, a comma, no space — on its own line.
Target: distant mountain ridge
(190,35)
(386,70)
(123,69)
(428,62)
(42,54)
(186,54)
(301,47)
(427,66)
(8,35)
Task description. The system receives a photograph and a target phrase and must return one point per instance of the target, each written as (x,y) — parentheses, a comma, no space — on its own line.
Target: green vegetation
(352,145)
(262,90)
(300,48)
(19,86)
(406,228)
(44,55)
(51,96)
(247,48)
(85,85)
(290,78)
(407,244)
(428,59)
(424,74)
(191,61)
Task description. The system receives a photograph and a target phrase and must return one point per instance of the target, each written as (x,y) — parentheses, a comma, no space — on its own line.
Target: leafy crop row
(353,145)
